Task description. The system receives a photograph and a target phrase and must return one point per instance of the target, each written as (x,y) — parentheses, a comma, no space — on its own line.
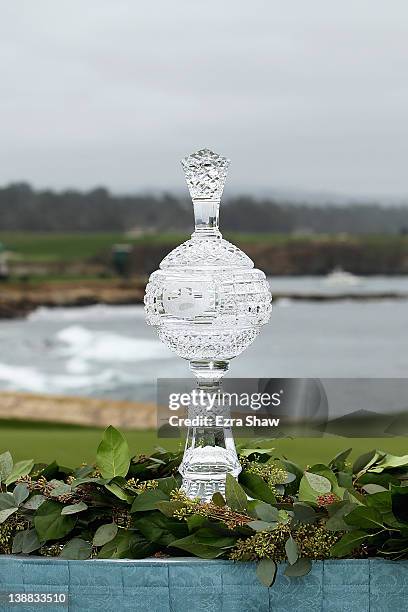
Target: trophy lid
(206,253)
(205,173)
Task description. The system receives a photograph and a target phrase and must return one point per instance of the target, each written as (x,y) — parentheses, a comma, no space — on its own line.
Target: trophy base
(209,453)
(203,489)
(204,470)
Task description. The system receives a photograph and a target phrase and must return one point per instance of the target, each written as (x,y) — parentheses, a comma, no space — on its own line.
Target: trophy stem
(209,453)
(206,216)
(209,370)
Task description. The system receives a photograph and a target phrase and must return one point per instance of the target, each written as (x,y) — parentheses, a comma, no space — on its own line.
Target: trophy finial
(205,173)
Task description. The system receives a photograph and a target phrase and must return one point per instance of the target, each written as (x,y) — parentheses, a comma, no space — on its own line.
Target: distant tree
(24,209)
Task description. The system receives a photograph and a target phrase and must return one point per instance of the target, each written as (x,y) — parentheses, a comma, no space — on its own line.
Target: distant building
(120,259)
(138,232)
(303,231)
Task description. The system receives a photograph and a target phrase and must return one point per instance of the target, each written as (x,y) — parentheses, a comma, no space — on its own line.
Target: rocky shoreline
(17,300)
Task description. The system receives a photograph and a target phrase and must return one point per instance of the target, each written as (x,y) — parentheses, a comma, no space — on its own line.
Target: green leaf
(293,468)
(160,529)
(26,542)
(148,500)
(167,485)
(218,499)
(399,497)
(266,512)
(339,461)
(214,537)
(313,485)
(385,479)
(127,545)
(83,471)
(235,495)
(390,461)
(394,546)
(74,508)
(354,496)
(262,526)
(7,501)
(193,546)
(118,547)
(168,508)
(292,550)
(381,501)
(88,480)
(319,483)
(337,513)
(266,571)
(251,505)
(4,514)
(284,516)
(50,524)
(366,518)
(113,456)
(322,470)
(119,492)
(21,468)
(300,568)
(248,452)
(349,542)
(17,546)
(371,488)
(50,471)
(363,462)
(104,534)
(34,502)
(195,522)
(59,488)
(31,542)
(256,487)
(345,479)
(20,493)
(304,513)
(76,549)
(6,465)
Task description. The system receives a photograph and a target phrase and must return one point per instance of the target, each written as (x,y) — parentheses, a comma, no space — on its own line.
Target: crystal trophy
(208,303)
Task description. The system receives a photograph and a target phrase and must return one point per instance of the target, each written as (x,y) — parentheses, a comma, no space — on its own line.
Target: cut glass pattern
(205,173)
(204,251)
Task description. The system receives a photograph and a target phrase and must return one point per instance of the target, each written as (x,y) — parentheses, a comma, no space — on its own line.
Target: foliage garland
(132,507)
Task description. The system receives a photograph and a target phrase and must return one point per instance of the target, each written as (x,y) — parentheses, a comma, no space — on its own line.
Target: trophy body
(208,303)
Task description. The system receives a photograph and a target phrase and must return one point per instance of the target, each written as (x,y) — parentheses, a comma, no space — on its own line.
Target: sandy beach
(92,412)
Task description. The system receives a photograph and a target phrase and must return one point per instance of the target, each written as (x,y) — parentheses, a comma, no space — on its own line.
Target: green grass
(71,445)
(54,247)
(57,246)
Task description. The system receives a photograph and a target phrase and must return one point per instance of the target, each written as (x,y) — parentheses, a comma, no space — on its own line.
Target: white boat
(340,277)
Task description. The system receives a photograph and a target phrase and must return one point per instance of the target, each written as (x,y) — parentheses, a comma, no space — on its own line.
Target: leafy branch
(133,507)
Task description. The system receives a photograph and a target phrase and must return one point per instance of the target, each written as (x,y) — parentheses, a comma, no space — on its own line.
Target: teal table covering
(185,585)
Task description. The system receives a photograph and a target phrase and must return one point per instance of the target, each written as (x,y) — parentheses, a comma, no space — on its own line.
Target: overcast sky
(300,95)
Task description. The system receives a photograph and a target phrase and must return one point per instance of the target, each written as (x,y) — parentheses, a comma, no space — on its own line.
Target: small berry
(327,499)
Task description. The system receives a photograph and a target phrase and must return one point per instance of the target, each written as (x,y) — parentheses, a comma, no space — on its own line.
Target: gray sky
(300,95)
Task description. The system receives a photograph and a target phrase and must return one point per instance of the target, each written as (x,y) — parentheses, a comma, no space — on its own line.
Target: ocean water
(109,350)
